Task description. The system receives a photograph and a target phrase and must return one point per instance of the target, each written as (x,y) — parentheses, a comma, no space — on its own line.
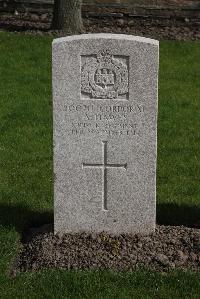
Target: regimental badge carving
(104,76)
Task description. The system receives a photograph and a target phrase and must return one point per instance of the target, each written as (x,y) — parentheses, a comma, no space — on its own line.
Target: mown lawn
(26,194)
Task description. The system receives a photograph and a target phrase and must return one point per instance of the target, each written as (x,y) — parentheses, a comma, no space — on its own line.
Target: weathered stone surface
(105,112)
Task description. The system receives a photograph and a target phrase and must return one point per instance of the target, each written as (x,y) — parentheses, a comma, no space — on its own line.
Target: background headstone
(105,122)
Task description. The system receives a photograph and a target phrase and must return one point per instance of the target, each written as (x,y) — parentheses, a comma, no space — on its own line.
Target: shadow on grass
(173,214)
(21,218)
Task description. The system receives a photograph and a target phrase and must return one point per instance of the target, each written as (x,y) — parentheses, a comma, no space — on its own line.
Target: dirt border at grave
(170,247)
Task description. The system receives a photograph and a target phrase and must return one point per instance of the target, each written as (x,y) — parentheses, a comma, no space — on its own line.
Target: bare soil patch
(159,28)
(168,248)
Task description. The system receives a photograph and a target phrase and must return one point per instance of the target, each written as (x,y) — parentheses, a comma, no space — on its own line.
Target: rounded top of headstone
(106,36)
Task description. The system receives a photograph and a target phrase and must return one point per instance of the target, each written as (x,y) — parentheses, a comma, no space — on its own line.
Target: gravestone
(105,123)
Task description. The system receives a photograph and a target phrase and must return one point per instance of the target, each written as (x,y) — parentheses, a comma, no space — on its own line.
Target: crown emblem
(104,76)
(104,56)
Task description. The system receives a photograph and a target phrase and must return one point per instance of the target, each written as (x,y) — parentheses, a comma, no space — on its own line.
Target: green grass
(178,188)
(26,195)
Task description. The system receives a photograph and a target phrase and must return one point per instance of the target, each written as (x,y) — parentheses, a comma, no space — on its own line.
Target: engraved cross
(104,165)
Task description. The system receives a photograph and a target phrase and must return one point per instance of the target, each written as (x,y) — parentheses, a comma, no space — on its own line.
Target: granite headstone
(105,133)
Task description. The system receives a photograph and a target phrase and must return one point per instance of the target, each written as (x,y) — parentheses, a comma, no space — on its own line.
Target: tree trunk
(67,16)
